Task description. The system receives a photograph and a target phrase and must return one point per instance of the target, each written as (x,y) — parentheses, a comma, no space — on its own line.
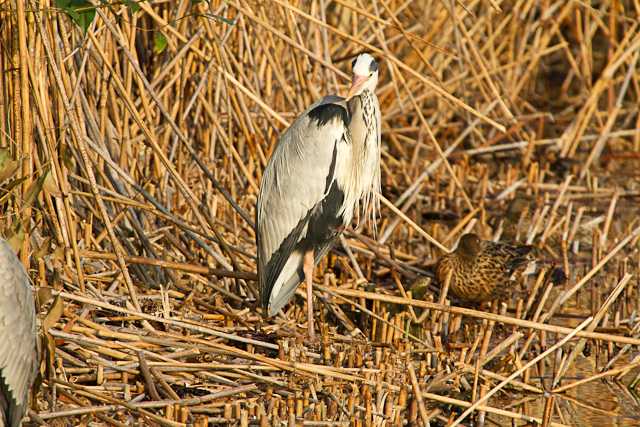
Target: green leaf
(80,11)
(133,5)
(159,42)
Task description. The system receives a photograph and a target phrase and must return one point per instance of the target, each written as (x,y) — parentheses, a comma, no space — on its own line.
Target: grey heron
(18,342)
(325,166)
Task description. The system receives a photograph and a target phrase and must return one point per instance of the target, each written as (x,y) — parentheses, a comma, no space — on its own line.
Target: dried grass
(130,183)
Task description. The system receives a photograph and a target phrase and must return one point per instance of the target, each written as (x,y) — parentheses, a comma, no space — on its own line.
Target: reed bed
(131,155)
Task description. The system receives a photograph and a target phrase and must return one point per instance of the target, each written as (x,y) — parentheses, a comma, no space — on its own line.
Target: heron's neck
(366,156)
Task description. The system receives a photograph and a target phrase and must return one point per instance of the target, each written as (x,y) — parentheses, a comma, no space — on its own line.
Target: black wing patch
(326,113)
(9,408)
(332,168)
(325,220)
(323,227)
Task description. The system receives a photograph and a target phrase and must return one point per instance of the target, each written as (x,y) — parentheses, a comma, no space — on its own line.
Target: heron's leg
(308,275)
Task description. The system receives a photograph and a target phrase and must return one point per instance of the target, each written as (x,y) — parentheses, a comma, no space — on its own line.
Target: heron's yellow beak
(356,84)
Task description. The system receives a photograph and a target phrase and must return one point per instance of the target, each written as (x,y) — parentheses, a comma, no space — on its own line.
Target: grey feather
(19,360)
(325,163)
(293,184)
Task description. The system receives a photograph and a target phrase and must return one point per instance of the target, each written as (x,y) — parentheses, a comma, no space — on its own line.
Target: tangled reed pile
(131,156)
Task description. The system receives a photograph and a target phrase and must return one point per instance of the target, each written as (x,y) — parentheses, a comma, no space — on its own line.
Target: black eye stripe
(373,66)
(353,63)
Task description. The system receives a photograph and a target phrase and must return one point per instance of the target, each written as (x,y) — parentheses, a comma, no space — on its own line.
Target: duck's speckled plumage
(483,270)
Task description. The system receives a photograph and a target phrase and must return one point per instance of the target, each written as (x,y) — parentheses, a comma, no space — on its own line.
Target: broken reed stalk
(497,411)
(609,373)
(141,315)
(569,293)
(597,318)
(412,224)
(418,394)
(511,377)
(481,315)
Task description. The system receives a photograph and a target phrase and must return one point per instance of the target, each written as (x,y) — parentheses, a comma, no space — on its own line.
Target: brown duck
(483,270)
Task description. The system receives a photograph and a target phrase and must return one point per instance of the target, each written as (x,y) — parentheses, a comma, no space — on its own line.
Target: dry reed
(131,155)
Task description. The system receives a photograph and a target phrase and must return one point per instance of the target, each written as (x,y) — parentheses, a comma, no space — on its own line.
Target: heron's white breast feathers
(344,176)
(364,167)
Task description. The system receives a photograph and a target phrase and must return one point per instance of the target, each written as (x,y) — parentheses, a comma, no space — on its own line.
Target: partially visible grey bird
(18,342)
(324,166)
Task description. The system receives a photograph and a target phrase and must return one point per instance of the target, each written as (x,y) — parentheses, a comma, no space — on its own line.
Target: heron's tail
(5,399)
(10,413)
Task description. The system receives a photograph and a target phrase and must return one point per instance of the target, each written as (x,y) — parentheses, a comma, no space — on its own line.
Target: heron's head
(365,75)
(469,245)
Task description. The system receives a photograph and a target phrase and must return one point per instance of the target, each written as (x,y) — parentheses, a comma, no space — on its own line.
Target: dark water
(599,403)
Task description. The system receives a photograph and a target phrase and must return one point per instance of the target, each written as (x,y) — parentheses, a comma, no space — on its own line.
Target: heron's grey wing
(19,359)
(297,178)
